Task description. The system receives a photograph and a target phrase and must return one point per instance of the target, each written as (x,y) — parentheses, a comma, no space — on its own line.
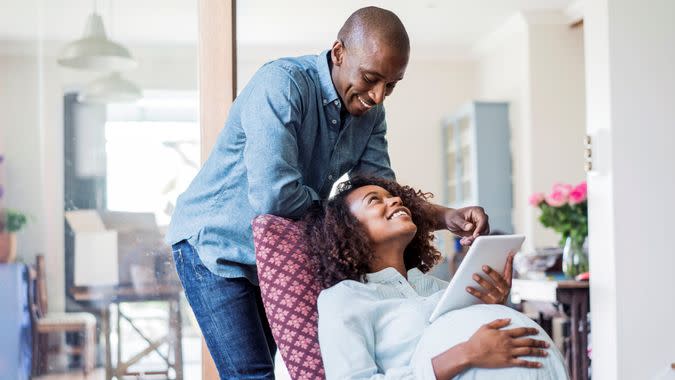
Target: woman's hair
(340,244)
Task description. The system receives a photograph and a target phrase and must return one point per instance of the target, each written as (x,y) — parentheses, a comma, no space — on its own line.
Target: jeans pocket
(200,269)
(177,254)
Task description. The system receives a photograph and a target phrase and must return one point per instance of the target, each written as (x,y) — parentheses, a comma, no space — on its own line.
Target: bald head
(369,23)
(368,58)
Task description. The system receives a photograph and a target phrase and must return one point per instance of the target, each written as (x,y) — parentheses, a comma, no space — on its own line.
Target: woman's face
(383,215)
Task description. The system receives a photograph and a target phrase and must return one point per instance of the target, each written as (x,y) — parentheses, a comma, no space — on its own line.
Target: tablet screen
(485,250)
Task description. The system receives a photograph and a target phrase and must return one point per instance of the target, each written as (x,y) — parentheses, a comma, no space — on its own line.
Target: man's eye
(366,79)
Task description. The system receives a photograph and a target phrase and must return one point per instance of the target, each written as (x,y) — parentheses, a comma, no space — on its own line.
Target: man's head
(369,57)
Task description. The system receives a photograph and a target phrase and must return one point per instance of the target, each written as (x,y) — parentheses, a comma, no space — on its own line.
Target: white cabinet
(477,161)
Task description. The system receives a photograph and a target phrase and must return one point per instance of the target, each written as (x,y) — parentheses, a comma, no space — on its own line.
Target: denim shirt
(283,146)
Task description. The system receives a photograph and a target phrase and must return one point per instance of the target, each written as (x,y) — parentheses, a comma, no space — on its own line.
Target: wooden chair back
(39,292)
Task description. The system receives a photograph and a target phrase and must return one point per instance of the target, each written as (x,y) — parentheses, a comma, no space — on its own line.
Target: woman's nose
(393,201)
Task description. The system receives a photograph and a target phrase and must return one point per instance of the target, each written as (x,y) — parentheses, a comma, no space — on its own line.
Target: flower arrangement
(10,220)
(565,210)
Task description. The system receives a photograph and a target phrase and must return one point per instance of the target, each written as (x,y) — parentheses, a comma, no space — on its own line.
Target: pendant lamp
(111,88)
(94,51)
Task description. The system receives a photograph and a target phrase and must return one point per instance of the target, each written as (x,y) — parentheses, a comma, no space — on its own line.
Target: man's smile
(365,104)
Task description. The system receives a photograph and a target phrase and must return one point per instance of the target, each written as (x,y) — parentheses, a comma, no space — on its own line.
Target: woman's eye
(373,199)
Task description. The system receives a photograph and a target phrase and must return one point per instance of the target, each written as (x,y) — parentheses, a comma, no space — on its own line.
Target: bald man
(298,125)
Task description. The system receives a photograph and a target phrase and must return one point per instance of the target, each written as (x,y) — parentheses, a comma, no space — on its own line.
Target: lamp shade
(111,88)
(94,51)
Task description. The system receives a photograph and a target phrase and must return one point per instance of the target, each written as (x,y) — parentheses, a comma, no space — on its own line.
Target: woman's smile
(399,212)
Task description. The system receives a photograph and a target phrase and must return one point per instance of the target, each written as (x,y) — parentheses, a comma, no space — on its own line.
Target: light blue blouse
(380,330)
(370,330)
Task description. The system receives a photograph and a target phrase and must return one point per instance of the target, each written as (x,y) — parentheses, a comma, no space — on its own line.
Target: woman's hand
(490,347)
(497,290)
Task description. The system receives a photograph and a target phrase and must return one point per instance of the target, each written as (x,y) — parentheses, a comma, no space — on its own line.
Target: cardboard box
(95,256)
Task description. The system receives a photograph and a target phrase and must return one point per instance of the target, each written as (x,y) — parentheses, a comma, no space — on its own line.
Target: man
(299,124)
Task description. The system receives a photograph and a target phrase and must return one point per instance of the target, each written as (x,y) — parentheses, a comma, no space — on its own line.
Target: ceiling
(439,24)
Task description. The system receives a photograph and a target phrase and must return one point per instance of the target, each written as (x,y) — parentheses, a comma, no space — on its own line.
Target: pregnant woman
(373,242)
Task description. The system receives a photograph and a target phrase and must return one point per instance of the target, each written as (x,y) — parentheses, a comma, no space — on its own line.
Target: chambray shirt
(283,146)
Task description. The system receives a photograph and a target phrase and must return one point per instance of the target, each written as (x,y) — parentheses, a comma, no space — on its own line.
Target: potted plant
(11,221)
(565,210)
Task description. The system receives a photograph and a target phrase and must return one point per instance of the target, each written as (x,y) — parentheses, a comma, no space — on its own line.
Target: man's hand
(495,289)
(467,222)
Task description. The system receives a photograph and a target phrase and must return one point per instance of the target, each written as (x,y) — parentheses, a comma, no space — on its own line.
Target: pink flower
(536,199)
(562,188)
(578,194)
(556,199)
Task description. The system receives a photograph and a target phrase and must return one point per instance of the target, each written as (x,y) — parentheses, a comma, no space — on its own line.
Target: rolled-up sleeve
(375,158)
(270,120)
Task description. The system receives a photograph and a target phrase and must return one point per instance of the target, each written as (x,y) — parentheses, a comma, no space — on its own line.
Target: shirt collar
(328,92)
(390,274)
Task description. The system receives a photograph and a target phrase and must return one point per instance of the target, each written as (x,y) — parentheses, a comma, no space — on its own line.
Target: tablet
(485,250)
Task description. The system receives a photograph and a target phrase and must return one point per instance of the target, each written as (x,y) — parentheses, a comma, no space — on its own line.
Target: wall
(31,136)
(630,88)
(503,76)
(535,61)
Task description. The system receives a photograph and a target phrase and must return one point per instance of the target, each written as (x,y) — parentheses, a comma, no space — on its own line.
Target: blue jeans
(231,316)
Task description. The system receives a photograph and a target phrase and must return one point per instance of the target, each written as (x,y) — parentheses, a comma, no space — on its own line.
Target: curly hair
(339,242)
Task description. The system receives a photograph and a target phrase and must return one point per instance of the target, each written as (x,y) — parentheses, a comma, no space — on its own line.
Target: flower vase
(575,259)
(7,247)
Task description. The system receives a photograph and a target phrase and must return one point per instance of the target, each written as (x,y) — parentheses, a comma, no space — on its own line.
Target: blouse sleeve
(347,339)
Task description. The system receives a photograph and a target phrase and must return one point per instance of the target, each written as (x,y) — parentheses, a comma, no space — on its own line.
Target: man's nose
(378,92)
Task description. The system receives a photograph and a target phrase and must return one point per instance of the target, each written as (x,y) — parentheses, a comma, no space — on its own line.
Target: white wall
(503,76)
(630,92)
(31,137)
(535,62)
(431,91)
(558,113)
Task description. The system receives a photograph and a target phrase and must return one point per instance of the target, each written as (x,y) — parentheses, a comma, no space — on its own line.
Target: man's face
(364,75)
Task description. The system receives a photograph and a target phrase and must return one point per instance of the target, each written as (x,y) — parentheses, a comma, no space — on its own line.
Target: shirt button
(325,102)
(330,177)
(337,103)
(334,121)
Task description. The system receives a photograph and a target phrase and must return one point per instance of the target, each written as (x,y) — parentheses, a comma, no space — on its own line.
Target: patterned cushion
(289,291)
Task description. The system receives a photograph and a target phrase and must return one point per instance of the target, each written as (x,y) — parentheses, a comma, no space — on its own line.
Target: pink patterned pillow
(289,291)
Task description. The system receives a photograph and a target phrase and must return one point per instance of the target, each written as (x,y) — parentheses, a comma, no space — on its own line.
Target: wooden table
(573,293)
(101,297)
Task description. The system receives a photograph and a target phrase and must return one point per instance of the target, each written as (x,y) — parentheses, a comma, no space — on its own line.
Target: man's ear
(337,53)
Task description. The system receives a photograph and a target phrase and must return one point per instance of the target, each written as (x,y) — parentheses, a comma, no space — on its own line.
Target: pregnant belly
(457,326)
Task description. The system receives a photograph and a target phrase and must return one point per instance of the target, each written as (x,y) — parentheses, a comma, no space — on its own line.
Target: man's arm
(270,116)
(467,222)
(374,160)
